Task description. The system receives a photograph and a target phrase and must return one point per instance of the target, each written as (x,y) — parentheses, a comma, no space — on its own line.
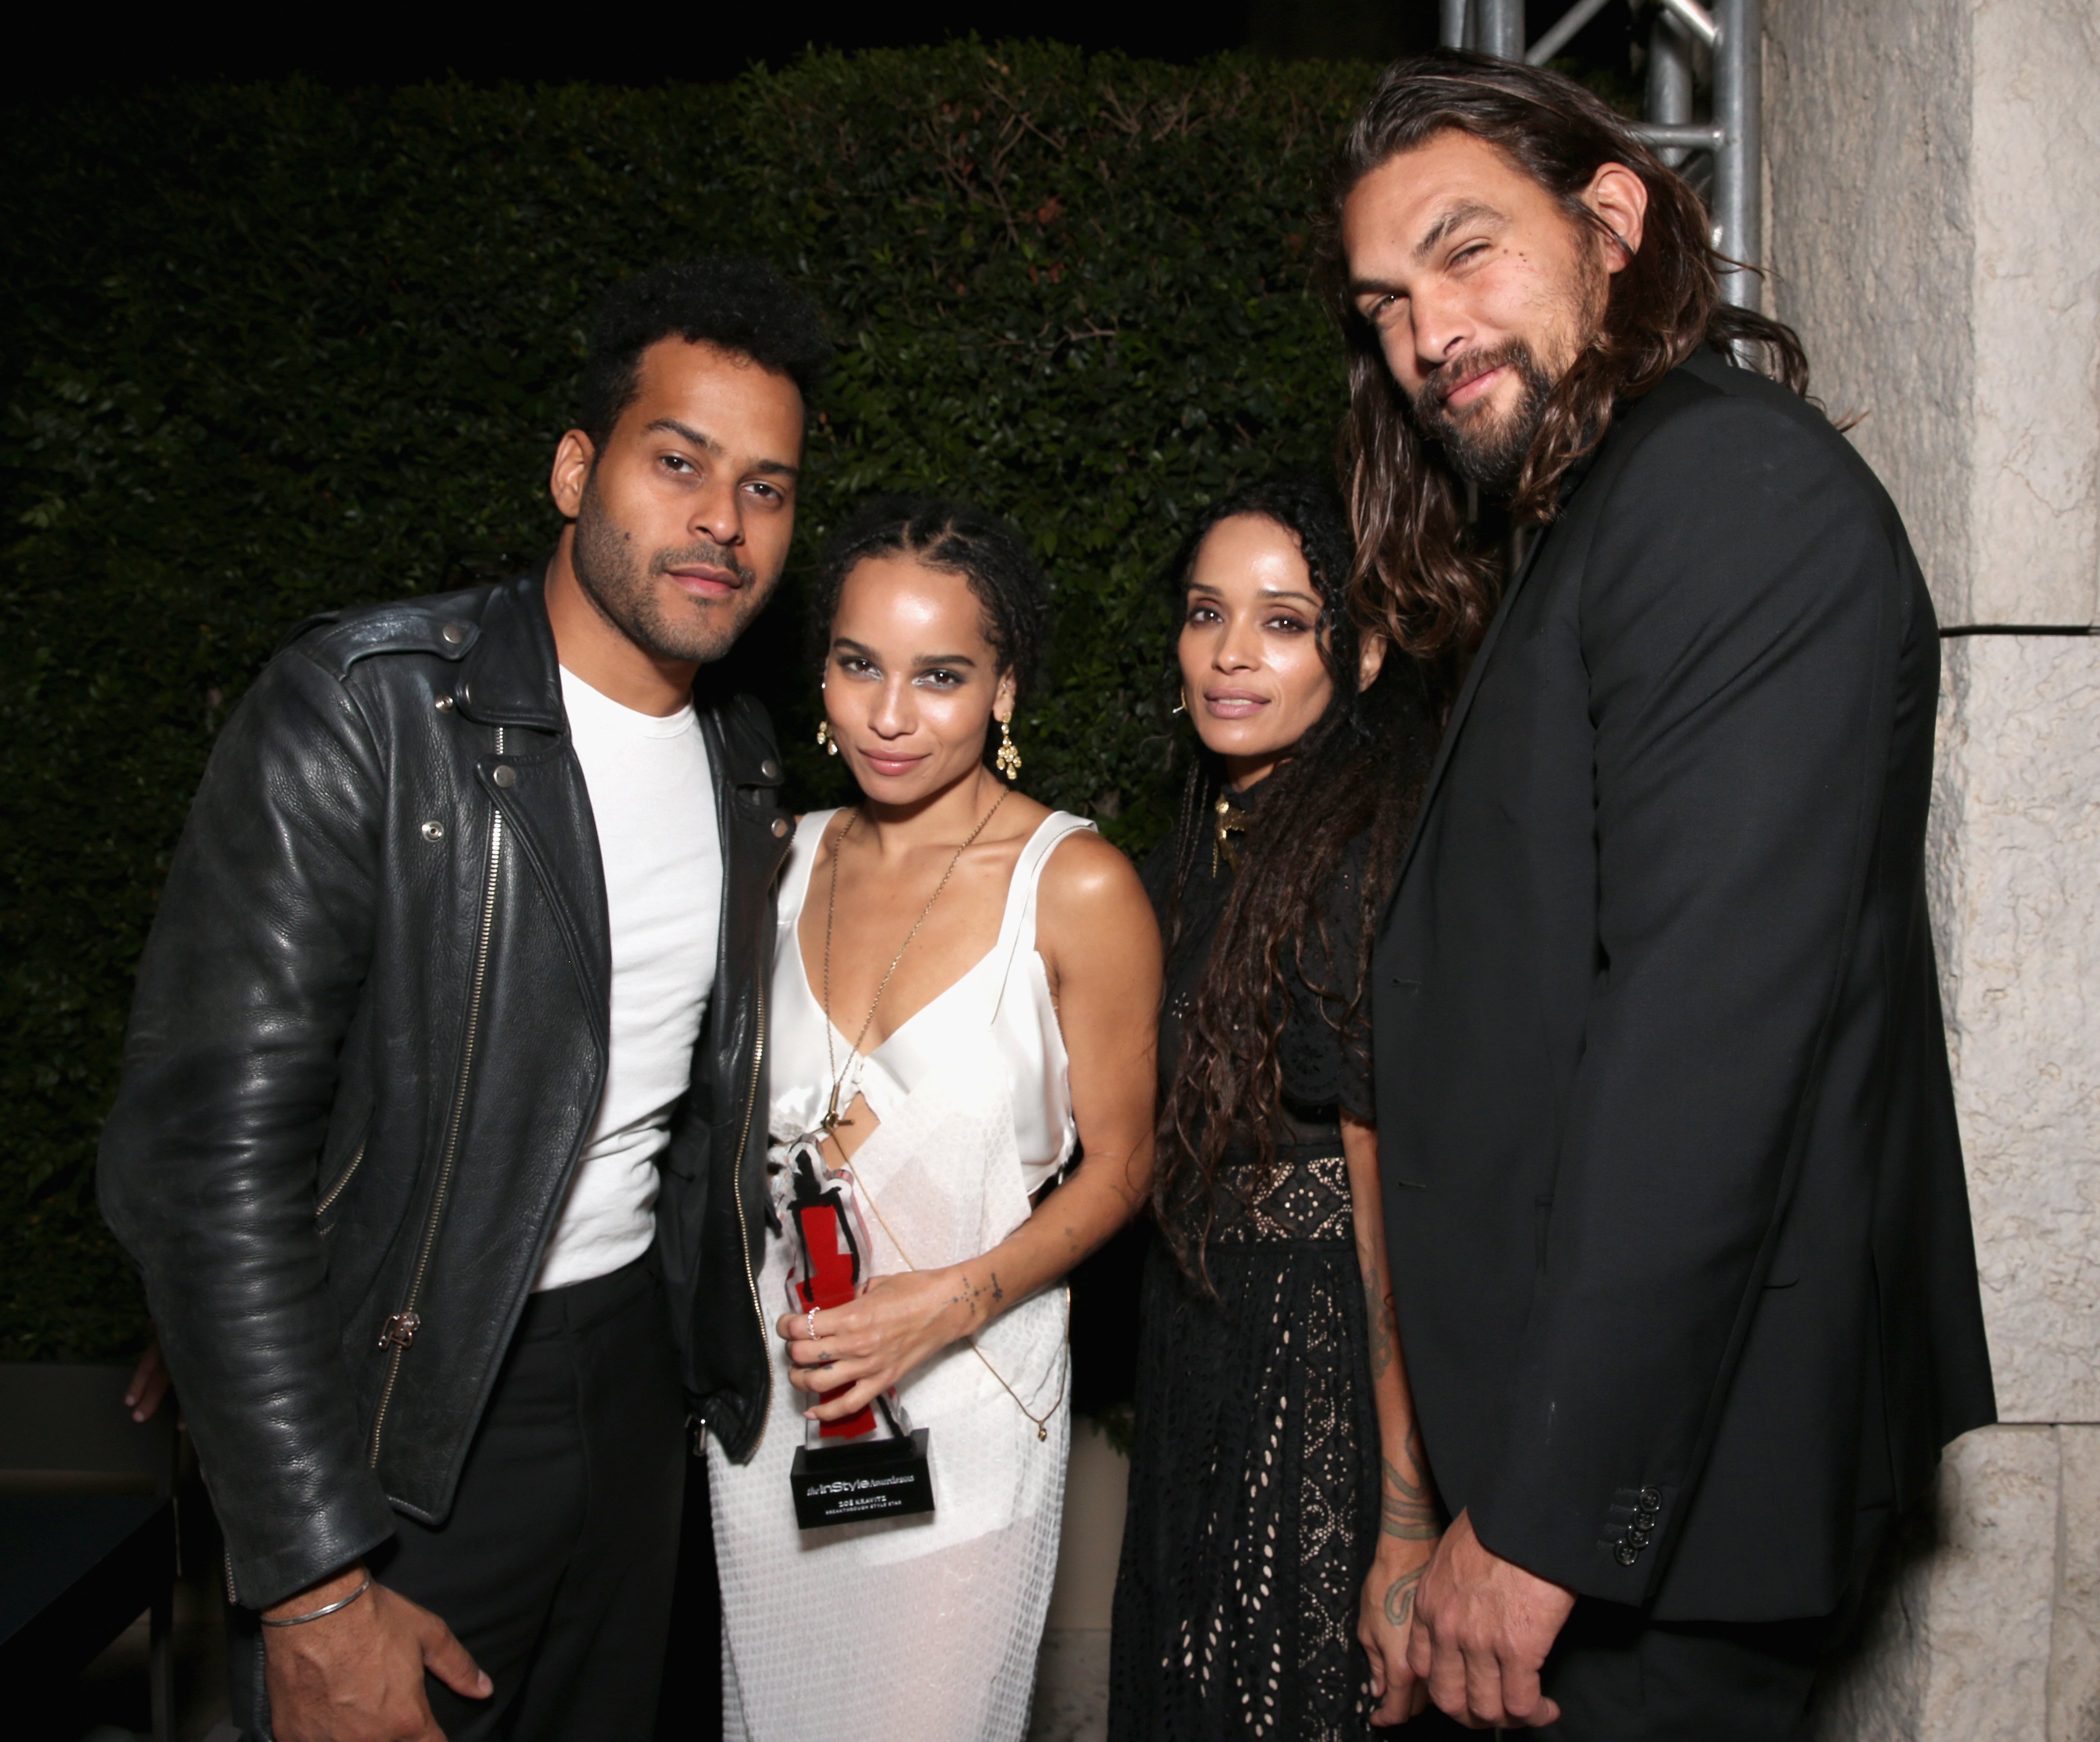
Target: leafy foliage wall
(264,351)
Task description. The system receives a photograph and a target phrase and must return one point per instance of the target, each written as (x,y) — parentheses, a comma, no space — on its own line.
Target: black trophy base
(842,1484)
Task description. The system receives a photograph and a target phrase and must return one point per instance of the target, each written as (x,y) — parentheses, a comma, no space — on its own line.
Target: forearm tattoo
(1384,1338)
(1407,1508)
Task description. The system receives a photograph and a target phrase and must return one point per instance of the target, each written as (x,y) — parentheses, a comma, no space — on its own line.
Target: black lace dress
(1253,1498)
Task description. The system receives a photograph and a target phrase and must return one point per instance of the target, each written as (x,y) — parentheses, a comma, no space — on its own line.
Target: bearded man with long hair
(1678,1229)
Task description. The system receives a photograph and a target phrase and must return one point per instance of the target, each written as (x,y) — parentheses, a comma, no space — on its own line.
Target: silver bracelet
(326,1608)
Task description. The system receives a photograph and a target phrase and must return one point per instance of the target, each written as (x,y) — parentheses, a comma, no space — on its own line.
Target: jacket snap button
(768,770)
(780,827)
(443,704)
(505,775)
(1626,1553)
(434,831)
(454,633)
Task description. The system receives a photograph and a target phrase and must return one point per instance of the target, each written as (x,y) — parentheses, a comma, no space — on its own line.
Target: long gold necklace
(833,1118)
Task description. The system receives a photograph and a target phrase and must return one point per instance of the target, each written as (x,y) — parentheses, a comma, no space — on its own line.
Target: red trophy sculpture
(858,1466)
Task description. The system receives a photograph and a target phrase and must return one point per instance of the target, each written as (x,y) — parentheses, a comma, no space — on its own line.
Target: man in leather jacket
(438,1139)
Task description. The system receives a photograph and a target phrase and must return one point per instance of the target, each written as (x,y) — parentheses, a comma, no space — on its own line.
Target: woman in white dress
(971,981)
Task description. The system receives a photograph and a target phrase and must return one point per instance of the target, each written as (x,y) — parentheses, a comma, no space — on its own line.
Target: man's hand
(149,1382)
(1483,1627)
(357,1675)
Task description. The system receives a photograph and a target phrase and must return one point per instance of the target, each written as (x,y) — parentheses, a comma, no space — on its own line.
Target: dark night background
(64,52)
(289,308)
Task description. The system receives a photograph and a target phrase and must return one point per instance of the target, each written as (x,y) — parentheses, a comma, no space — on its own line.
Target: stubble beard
(624,590)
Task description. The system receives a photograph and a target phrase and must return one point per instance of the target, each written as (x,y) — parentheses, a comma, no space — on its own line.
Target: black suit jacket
(1679,1233)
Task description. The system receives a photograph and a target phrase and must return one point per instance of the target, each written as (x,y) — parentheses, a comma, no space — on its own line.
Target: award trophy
(858,1466)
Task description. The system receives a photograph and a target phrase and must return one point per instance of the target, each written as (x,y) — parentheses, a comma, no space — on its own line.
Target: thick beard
(625,594)
(1486,452)
(1491,455)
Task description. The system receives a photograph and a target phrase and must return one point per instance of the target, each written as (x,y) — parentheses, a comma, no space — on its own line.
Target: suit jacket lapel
(1690,378)
(1463,705)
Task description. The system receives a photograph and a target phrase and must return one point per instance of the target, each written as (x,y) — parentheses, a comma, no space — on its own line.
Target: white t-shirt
(652,795)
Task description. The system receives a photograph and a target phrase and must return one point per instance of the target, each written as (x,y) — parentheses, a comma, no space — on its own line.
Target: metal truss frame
(1733,34)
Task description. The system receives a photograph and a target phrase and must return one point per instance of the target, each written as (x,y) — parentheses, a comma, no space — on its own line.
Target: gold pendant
(1228,822)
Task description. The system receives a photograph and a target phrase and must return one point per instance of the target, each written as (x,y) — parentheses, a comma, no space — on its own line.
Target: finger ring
(809,1323)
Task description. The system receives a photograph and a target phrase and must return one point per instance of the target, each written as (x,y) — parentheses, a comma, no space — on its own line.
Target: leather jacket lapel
(547,809)
(513,676)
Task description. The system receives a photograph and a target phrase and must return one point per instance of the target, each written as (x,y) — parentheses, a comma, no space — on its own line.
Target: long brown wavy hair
(1421,574)
(1355,776)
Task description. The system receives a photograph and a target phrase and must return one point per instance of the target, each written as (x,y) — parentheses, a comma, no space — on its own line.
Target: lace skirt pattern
(1254,1479)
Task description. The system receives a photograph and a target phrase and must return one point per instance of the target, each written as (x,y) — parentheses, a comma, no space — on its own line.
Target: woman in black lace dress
(1280,1511)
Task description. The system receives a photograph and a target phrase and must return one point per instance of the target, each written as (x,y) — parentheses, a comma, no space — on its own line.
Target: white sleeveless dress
(925,1628)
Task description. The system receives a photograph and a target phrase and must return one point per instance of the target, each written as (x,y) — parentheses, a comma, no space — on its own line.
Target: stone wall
(1934,234)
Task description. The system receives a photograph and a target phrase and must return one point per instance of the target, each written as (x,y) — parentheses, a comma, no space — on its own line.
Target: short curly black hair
(990,555)
(741,306)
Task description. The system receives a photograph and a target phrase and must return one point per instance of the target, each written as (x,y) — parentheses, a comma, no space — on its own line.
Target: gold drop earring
(1008,759)
(824,736)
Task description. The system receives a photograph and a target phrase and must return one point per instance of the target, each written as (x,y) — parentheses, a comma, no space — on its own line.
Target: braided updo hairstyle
(1009,585)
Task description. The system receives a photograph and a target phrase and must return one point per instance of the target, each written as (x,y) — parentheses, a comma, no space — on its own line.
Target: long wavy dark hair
(1420,573)
(1357,774)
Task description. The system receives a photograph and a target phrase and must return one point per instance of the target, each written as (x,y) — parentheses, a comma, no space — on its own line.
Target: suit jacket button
(1626,1553)
(768,770)
(781,826)
(1639,1536)
(1651,1500)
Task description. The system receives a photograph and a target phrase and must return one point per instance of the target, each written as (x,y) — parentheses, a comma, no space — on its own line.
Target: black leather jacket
(369,1040)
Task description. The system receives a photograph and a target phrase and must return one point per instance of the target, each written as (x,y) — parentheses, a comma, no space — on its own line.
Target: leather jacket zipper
(400,1330)
(343,1179)
(742,1227)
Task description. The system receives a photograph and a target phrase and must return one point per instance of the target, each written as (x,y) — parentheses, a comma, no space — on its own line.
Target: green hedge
(269,350)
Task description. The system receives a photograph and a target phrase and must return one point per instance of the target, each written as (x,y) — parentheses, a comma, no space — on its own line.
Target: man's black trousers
(1620,1678)
(555,1568)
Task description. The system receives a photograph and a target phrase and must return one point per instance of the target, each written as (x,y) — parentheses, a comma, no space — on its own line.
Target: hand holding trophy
(869,1464)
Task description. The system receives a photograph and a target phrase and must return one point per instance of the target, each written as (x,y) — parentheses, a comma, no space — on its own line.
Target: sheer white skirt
(916,1630)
